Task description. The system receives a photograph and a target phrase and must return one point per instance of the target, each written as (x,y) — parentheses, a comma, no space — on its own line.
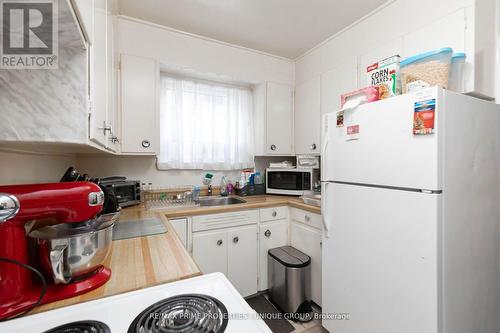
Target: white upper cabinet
(307,117)
(85,12)
(336,82)
(99,127)
(273,120)
(139,105)
(97,22)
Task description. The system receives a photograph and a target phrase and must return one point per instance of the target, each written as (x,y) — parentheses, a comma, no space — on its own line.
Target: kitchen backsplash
(143,168)
(22,168)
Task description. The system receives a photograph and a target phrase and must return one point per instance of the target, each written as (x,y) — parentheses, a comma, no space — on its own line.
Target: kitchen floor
(314,326)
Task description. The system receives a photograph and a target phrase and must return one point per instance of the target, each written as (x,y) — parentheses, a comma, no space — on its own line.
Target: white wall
(382,30)
(23,168)
(193,54)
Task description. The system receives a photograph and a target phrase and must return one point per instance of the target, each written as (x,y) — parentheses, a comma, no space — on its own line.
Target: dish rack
(168,197)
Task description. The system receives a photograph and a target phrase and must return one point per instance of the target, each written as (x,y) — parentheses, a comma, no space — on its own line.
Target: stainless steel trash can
(289,280)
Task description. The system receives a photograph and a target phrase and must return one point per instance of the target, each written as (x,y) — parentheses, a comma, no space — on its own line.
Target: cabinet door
(181,228)
(279,122)
(210,251)
(271,235)
(98,75)
(336,82)
(112,141)
(307,117)
(139,125)
(308,240)
(85,10)
(242,259)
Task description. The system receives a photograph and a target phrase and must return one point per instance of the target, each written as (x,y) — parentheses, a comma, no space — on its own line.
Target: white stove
(209,303)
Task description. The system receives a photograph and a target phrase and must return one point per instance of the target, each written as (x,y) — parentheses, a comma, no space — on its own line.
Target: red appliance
(20,289)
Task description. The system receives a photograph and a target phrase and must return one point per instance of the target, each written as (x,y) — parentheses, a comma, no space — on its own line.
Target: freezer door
(384,151)
(380,262)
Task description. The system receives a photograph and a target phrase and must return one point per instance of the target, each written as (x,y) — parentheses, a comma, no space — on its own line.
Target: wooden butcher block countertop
(139,262)
(143,262)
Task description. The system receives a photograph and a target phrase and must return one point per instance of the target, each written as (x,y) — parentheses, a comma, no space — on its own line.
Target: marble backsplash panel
(46,104)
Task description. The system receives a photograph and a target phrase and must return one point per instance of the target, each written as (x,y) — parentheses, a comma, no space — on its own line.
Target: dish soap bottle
(223,186)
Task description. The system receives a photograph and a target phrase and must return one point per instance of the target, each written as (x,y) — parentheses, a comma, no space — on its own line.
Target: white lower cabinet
(210,251)
(236,244)
(242,259)
(271,235)
(231,251)
(181,229)
(308,240)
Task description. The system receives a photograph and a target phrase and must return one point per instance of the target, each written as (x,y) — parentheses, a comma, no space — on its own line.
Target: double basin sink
(220,201)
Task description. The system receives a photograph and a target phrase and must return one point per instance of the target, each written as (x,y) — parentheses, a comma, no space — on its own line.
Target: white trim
(340,32)
(170,29)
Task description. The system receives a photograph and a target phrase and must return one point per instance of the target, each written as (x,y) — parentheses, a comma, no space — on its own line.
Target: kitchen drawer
(308,218)
(273,213)
(224,220)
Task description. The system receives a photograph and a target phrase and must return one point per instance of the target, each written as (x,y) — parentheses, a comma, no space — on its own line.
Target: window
(205,125)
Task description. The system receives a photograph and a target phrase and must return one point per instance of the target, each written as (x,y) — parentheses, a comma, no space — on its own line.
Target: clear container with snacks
(456,80)
(426,69)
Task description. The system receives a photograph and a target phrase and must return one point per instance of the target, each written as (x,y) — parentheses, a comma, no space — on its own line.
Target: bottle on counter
(223,186)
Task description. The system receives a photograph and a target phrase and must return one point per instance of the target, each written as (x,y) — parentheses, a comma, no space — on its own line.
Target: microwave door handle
(324,217)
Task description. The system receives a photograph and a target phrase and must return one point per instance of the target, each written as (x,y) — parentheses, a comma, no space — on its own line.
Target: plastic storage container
(426,69)
(456,80)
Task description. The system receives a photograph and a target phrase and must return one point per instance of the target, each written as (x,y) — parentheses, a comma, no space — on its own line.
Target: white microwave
(291,181)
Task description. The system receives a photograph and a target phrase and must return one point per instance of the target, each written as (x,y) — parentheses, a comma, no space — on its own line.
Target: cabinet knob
(274,213)
(146,143)
(313,146)
(236,240)
(307,218)
(267,233)
(219,242)
(321,244)
(273,147)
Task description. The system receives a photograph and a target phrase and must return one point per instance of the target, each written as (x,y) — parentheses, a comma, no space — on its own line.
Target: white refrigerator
(410,208)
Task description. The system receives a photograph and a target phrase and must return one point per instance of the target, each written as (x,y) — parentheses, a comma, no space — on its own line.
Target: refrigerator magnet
(423,117)
(340,119)
(352,132)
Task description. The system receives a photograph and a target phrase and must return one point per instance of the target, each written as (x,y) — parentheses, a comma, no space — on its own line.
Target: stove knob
(9,207)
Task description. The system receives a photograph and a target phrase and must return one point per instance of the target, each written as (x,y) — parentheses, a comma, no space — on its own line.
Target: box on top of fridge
(385,75)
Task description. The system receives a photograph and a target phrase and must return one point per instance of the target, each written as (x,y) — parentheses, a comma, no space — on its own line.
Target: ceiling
(286,28)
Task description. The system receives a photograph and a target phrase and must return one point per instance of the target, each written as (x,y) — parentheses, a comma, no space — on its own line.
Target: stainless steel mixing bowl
(68,251)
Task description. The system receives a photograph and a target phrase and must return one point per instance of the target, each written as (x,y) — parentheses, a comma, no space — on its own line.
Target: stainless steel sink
(220,201)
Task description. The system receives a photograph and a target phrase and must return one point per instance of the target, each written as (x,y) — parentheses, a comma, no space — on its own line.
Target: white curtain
(205,126)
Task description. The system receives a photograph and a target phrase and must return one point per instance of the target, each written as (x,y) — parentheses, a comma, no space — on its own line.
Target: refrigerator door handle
(324,218)
(323,151)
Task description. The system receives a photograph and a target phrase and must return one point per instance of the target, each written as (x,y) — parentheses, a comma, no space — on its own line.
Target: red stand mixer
(68,249)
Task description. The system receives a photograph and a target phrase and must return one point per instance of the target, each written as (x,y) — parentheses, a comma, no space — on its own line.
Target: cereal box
(385,75)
